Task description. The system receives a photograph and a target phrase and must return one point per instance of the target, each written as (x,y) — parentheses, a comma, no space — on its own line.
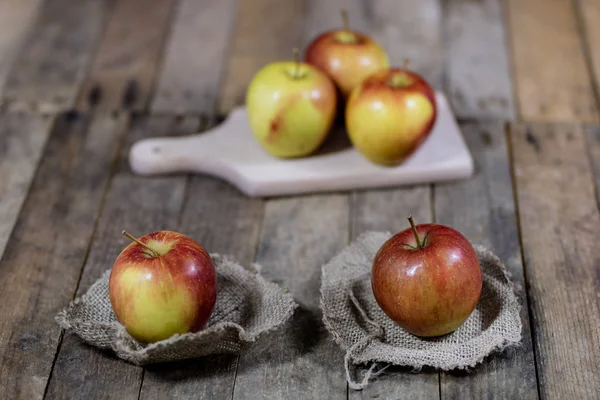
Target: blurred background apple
(390,114)
(348,57)
(291,106)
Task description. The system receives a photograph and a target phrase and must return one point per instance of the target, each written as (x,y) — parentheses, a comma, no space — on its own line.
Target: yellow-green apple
(162,284)
(427,279)
(291,106)
(390,114)
(347,56)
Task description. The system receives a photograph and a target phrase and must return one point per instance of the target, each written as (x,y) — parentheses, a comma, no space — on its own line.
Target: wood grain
(479,83)
(552,80)
(22,139)
(411,33)
(42,262)
(224,221)
(560,228)
(192,63)
(123,71)
(593,145)
(386,210)
(301,361)
(265,31)
(138,205)
(52,64)
(482,208)
(589,15)
(16,17)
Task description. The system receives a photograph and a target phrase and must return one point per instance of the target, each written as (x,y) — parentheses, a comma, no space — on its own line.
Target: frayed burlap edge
(355,351)
(118,339)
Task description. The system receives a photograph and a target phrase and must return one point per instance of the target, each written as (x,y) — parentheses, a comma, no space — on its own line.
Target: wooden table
(81,80)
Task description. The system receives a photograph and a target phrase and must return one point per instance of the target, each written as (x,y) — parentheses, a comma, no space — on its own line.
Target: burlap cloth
(247,307)
(352,316)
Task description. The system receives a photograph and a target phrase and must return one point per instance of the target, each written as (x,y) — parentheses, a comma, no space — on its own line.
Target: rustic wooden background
(80,80)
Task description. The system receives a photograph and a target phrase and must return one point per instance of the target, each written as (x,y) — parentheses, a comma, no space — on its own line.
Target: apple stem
(414,228)
(297,61)
(130,236)
(345,20)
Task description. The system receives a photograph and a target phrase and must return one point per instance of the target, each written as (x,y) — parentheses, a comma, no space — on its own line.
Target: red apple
(162,284)
(427,279)
(347,56)
(390,114)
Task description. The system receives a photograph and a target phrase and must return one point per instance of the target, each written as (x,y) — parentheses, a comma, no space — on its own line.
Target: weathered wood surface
(550,72)
(124,68)
(482,208)
(139,206)
(15,21)
(264,32)
(593,145)
(589,15)
(41,265)
(53,61)
(22,139)
(560,228)
(301,361)
(478,79)
(189,82)
(387,210)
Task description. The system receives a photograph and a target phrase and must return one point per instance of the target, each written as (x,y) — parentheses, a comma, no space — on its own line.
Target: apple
(427,279)
(162,284)
(347,56)
(390,114)
(291,106)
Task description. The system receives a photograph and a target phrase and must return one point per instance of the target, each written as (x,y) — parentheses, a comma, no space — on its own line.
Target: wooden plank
(42,262)
(386,210)
(479,83)
(139,206)
(301,361)
(257,42)
(482,208)
(593,145)
(411,32)
(589,17)
(560,229)
(552,80)
(52,64)
(189,82)
(122,74)
(225,222)
(16,17)
(22,139)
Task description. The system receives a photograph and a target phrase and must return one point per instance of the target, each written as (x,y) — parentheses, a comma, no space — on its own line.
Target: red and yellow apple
(162,284)
(390,114)
(291,107)
(427,279)
(347,56)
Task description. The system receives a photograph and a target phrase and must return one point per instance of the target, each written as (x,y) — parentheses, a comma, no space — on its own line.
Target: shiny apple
(390,114)
(427,279)
(291,106)
(347,56)
(162,284)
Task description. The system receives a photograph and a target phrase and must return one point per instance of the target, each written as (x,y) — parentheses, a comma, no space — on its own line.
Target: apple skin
(348,57)
(291,107)
(428,291)
(390,114)
(157,297)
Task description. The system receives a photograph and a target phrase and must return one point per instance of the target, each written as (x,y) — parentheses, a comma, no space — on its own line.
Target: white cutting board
(229,151)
